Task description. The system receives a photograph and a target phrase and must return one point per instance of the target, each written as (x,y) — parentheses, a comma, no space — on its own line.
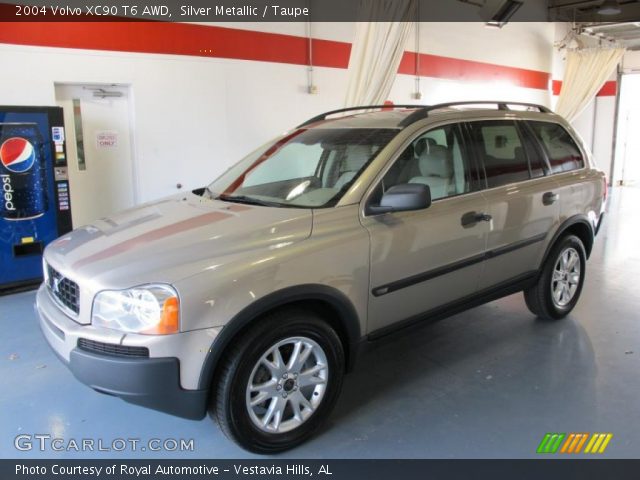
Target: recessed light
(610,7)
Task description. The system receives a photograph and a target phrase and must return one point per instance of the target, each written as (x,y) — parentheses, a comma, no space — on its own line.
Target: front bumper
(156,382)
(149,382)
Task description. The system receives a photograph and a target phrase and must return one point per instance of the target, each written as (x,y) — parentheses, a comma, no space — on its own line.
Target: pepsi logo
(17,155)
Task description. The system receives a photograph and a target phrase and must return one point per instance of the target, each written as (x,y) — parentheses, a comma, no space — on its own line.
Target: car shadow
(450,364)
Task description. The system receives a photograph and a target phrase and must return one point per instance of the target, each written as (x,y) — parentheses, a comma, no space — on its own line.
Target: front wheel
(558,288)
(279,382)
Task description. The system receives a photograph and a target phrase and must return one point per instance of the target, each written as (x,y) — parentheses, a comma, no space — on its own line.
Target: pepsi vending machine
(35,207)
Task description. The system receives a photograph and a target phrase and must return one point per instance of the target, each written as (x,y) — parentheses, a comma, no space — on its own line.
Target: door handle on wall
(178,186)
(550,198)
(469,219)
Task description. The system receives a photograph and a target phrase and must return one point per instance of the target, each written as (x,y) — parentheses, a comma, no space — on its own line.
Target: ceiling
(587,11)
(622,28)
(624,33)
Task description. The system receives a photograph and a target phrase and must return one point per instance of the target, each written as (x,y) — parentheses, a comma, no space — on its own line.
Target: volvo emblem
(56,284)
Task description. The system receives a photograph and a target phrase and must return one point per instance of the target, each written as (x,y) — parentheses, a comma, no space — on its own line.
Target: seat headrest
(423,144)
(357,156)
(435,162)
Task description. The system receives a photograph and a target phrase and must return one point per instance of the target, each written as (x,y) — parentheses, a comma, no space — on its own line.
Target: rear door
(567,169)
(521,199)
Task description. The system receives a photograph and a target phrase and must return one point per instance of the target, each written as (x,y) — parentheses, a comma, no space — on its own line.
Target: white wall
(522,44)
(530,47)
(194,116)
(631,62)
(595,124)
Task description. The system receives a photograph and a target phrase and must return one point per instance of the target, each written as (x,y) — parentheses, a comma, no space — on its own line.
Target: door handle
(550,198)
(469,219)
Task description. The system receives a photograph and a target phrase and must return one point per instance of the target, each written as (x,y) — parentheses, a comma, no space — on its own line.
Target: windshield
(307,168)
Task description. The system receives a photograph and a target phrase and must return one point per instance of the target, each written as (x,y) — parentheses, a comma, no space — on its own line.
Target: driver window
(435,159)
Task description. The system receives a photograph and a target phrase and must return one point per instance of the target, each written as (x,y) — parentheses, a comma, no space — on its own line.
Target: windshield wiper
(248,200)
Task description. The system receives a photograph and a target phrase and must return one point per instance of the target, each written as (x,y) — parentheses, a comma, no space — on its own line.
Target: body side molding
(451,267)
(503,289)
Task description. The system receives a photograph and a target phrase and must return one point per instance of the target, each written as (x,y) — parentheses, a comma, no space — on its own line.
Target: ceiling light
(610,7)
(497,13)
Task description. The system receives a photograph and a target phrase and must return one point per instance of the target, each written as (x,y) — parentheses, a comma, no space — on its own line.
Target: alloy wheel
(566,277)
(287,384)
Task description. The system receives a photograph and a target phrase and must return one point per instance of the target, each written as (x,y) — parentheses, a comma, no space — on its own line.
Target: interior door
(424,259)
(101,172)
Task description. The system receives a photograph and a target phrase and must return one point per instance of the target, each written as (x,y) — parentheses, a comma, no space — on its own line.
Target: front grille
(112,348)
(63,289)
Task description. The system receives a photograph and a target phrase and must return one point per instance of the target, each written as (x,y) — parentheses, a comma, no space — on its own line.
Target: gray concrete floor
(487,383)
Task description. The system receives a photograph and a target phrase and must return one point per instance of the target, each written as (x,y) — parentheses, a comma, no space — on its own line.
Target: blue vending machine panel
(35,208)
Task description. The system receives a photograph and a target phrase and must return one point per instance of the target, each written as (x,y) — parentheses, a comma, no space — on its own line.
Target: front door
(422,260)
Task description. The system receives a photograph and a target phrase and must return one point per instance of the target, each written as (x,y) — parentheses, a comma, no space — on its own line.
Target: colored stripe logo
(574,443)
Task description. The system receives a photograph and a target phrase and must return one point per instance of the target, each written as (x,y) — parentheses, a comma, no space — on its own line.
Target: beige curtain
(585,73)
(376,51)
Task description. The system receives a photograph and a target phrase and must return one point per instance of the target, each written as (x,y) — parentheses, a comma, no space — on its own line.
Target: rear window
(562,151)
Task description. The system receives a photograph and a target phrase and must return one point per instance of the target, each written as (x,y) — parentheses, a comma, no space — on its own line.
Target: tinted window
(537,158)
(501,149)
(435,159)
(564,155)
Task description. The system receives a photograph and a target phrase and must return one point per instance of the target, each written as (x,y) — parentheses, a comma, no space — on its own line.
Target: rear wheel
(558,288)
(280,382)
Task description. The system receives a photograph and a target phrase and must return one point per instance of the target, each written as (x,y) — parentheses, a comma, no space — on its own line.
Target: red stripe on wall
(609,89)
(222,42)
(177,39)
(458,69)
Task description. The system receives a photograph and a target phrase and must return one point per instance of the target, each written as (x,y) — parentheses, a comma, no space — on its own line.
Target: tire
(252,359)
(540,298)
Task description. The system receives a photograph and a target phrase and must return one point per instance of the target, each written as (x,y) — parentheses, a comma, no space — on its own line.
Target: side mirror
(402,198)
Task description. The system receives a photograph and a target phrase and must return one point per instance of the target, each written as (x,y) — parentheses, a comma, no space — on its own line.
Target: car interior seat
(436,170)
(355,158)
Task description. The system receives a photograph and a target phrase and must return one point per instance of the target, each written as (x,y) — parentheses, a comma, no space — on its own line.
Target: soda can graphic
(23,181)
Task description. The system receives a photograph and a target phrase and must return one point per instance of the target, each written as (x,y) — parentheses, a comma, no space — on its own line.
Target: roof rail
(501,105)
(422,111)
(323,116)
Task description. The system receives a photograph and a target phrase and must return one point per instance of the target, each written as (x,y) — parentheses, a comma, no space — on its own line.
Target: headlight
(148,309)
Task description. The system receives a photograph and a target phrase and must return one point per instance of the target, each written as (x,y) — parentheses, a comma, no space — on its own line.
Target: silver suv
(251,297)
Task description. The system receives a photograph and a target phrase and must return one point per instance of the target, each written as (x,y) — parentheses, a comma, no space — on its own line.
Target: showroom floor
(486,383)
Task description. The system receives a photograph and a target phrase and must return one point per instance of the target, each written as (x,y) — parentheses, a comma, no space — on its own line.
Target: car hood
(171,239)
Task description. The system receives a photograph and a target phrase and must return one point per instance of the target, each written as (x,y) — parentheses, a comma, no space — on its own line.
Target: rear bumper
(155,382)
